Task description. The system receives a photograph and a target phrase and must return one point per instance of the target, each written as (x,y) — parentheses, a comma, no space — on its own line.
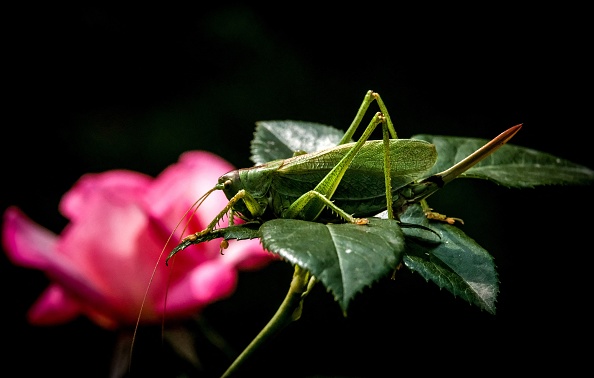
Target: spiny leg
(312,194)
(310,206)
(250,202)
(387,132)
(217,218)
(384,111)
(367,100)
(370,96)
(387,171)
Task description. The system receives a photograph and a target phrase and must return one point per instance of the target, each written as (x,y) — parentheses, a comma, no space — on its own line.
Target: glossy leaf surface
(346,258)
(511,165)
(455,262)
(280,139)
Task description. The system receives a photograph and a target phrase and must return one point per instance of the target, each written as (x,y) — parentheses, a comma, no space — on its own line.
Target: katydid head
(230,183)
(248,189)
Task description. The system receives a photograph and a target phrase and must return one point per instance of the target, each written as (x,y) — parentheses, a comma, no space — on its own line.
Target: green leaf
(346,258)
(281,139)
(457,263)
(511,165)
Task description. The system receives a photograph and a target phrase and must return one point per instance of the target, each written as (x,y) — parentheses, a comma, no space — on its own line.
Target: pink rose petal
(120,223)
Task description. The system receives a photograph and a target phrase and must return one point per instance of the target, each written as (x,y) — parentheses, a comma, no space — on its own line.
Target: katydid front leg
(251,203)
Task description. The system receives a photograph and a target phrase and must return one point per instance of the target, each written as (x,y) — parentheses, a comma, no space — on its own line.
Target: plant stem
(289,311)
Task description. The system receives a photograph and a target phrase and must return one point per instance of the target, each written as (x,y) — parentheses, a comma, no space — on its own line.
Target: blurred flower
(120,221)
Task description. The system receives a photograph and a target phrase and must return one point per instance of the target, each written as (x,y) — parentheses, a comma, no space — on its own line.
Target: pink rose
(101,263)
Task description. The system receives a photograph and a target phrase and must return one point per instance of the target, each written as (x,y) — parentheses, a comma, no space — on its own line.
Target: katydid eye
(229,178)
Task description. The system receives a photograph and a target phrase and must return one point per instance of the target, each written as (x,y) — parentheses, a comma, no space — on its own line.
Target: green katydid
(346,183)
(349,179)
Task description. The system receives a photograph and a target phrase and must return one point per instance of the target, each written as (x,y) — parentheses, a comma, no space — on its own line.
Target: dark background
(89,89)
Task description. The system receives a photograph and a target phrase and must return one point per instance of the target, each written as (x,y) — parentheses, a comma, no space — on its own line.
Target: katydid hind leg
(370,96)
(388,132)
(311,204)
(367,100)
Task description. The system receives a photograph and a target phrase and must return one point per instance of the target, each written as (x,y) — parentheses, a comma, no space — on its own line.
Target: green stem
(289,311)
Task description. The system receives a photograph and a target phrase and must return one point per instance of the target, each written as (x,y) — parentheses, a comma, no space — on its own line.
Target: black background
(89,89)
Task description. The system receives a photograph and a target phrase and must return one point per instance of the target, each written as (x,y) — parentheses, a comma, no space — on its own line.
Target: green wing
(362,188)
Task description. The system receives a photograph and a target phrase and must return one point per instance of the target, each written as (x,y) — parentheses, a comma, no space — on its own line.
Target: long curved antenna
(192,209)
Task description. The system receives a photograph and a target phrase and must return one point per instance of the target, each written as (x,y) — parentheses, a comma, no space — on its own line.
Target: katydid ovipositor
(350,179)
